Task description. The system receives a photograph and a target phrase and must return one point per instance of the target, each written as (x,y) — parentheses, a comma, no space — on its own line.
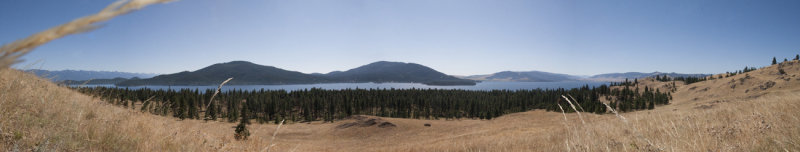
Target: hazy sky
(458,37)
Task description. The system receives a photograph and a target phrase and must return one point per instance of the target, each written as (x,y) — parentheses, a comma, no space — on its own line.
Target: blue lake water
(340,86)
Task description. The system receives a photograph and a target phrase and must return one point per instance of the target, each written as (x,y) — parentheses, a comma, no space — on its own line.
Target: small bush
(241,132)
(17,135)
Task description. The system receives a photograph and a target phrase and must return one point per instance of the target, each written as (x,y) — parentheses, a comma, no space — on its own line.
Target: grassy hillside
(704,116)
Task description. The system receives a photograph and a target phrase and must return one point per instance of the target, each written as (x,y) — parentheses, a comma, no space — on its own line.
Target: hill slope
(384,71)
(246,73)
(527,76)
(639,75)
(243,72)
(758,114)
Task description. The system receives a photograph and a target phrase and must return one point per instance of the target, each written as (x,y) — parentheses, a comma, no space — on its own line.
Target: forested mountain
(86,75)
(246,73)
(526,76)
(243,72)
(384,71)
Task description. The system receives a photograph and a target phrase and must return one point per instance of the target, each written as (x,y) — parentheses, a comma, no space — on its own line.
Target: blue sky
(458,37)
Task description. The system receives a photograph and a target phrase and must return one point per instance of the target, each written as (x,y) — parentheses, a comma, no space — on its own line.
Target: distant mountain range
(528,76)
(539,76)
(80,75)
(246,73)
(97,81)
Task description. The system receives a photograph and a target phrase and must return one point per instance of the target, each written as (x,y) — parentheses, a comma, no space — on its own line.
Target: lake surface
(340,86)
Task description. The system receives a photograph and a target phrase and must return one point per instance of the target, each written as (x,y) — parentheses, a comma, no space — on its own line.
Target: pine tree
(797,57)
(774,61)
(241,132)
(182,107)
(211,112)
(192,109)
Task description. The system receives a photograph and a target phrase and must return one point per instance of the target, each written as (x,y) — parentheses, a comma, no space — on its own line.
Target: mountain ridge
(81,75)
(385,71)
(243,72)
(248,73)
(524,76)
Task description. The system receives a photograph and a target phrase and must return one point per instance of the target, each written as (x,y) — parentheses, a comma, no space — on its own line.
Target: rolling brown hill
(755,111)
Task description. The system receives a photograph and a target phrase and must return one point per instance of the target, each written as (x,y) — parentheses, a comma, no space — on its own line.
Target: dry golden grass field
(756,111)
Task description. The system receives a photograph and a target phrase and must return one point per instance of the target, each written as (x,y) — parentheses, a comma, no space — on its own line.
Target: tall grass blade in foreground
(217,92)
(272,141)
(9,53)
(573,108)
(579,105)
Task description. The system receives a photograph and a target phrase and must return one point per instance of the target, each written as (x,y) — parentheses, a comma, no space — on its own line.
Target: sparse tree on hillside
(674,87)
(785,59)
(797,57)
(774,61)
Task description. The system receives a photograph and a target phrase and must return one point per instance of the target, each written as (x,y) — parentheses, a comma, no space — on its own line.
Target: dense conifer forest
(266,106)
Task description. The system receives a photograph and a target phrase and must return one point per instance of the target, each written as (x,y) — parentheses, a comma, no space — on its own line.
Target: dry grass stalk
(566,126)
(145,103)
(10,53)
(615,113)
(579,105)
(272,141)
(562,112)
(217,92)
(573,108)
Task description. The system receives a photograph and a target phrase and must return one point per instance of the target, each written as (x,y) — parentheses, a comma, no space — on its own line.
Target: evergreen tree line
(775,60)
(625,83)
(745,70)
(628,99)
(687,80)
(314,104)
